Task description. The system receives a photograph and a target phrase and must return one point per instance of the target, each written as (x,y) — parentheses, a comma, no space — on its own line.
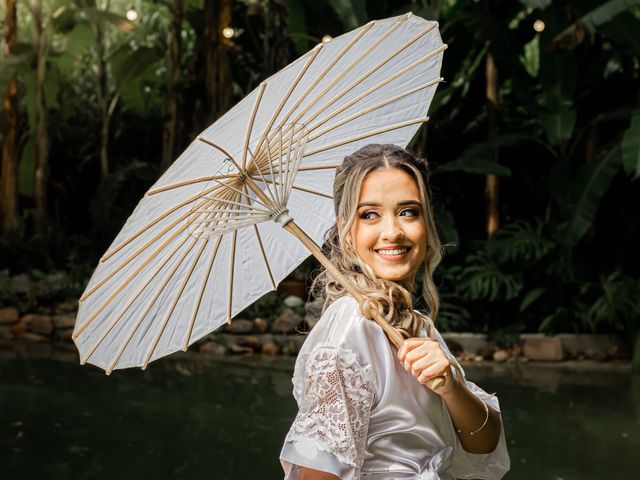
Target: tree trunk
(217,81)
(103,97)
(9,172)
(170,127)
(41,135)
(492,186)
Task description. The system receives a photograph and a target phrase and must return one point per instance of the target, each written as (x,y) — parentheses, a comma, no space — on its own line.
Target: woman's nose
(392,230)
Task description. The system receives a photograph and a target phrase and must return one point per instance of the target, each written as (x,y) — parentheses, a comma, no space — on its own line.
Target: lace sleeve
(334,394)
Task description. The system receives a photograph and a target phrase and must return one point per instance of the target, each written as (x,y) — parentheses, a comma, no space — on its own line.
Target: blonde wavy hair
(391,300)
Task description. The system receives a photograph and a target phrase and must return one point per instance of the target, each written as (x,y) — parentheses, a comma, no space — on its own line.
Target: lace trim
(334,394)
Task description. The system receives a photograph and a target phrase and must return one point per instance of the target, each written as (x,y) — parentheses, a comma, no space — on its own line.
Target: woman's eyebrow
(403,202)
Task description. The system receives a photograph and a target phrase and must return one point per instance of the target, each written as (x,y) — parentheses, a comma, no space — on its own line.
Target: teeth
(397,251)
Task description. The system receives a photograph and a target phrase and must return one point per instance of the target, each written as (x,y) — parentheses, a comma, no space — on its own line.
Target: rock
(454,347)
(52,285)
(63,333)
(478,358)
(597,355)
(270,348)
(21,283)
(486,352)
(67,320)
(212,348)
(5,332)
(40,324)
(240,326)
(238,350)
(500,355)
(260,324)
(9,315)
(293,301)
(33,337)
(291,348)
(544,349)
(67,307)
(288,322)
(252,342)
(516,351)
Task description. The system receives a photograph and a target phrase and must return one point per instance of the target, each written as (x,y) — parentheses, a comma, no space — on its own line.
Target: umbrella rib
(231,272)
(264,256)
(251,120)
(322,75)
(184,184)
(176,299)
(231,202)
(219,148)
(184,203)
(212,259)
(377,86)
(365,135)
(317,167)
(253,160)
(146,283)
(126,281)
(368,109)
(242,193)
(356,82)
(165,282)
(308,190)
(294,84)
(328,88)
(297,158)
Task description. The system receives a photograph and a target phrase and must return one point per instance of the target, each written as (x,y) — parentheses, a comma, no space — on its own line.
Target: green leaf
(572,36)
(531,297)
(475,165)
(541,4)
(352,13)
(631,146)
(97,16)
(11,66)
(558,125)
(530,59)
(297,25)
(446,228)
(594,187)
(623,31)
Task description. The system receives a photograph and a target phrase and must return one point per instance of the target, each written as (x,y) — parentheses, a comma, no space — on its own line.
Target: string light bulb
(228,32)
(538,26)
(327,39)
(132,14)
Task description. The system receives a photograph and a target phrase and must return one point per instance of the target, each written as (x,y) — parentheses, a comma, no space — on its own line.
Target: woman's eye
(368,215)
(411,212)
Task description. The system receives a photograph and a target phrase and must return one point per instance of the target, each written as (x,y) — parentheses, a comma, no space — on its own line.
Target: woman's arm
(311,474)
(424,358)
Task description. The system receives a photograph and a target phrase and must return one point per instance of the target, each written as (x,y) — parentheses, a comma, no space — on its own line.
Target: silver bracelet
(486,409)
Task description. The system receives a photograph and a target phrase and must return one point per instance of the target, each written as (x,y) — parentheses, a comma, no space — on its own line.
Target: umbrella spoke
(251,120)
(163,285)
(203,286)
(126,280)
(232,261)
(324,73)
(308,190)
(176,299)
(292,87)
(253,160)
(123,310)
(367,110)
(184,184)
(365,135)
(220,149)
(348,69)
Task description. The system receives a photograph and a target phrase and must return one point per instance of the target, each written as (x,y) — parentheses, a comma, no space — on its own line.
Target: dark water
(196,419)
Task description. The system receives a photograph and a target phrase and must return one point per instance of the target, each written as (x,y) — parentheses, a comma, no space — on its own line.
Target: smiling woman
(366,410)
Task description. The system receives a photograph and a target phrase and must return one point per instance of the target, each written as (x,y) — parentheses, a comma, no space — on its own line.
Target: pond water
(196,418)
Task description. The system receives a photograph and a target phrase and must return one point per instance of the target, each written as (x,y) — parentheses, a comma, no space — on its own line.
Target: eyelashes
(413,213)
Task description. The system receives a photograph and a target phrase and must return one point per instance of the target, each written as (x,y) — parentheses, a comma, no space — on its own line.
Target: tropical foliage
(538,122)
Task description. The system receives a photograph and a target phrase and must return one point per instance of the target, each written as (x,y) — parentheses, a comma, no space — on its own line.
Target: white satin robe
(362,416)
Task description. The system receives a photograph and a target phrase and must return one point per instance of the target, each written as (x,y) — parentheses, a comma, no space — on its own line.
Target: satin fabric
(410,433)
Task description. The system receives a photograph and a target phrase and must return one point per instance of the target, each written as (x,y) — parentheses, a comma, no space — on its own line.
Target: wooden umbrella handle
(393,335)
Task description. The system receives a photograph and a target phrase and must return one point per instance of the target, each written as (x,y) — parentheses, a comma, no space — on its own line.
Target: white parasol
(207,240)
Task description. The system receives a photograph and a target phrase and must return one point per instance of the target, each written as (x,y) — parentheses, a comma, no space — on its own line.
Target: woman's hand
(424,359)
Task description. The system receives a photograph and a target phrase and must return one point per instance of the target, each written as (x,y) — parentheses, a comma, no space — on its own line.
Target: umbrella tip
(409,14)
(107,372)
(445,46)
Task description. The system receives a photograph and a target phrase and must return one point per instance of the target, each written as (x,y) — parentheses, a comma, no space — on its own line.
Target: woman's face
(389,232)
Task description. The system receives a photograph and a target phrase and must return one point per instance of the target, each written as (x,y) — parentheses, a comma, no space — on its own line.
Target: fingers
(408,345)
(436,370)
